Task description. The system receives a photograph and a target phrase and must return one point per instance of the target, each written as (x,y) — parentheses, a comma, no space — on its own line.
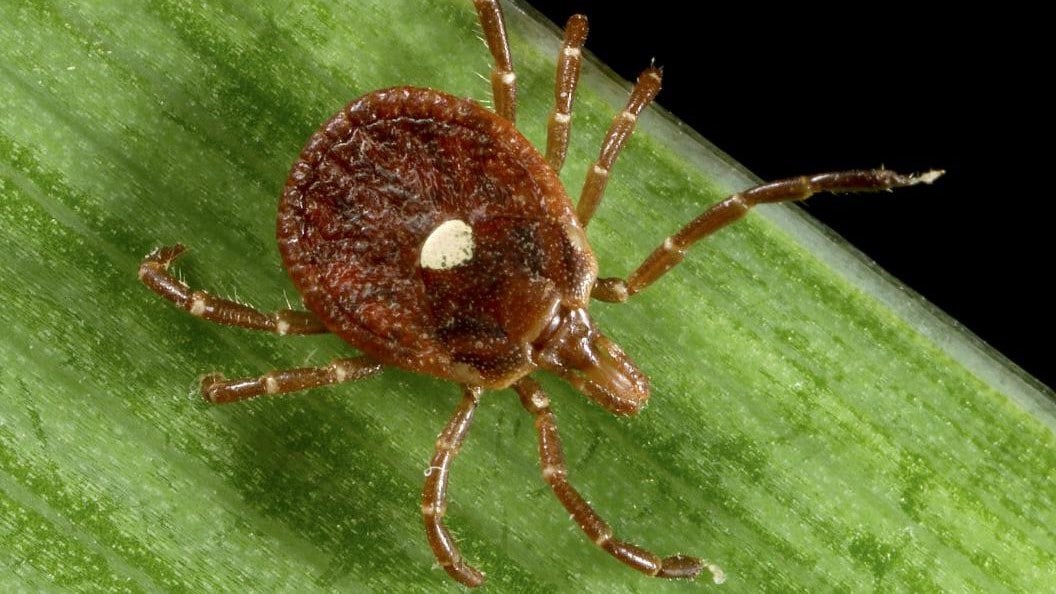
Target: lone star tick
(427,232)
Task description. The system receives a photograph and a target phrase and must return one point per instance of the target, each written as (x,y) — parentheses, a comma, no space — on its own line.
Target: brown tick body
(381,177)
(428,233)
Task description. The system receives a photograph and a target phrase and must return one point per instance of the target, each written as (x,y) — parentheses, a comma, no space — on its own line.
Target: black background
(789,92)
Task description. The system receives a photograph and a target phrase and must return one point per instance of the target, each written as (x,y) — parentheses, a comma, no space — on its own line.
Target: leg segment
(434,494)
(154,272)
(503,79)
(565,91)
(218,390)
(555,473)
(673,249)
(645,90)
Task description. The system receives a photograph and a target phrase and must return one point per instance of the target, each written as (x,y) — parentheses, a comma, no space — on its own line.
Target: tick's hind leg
(218,390)
(555,473)
(503,79)
(673,249)
(434,494)
(154,272)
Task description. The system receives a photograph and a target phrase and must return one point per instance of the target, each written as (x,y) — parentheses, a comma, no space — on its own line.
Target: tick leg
(555,473)
(503,79)
(673,249)
(154,272)
(565,91)
(218,390)
(434,494)
(645,90)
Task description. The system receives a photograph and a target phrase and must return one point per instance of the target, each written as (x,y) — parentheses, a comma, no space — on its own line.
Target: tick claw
(717,574)
(165,254)
(210,386)
(928,176)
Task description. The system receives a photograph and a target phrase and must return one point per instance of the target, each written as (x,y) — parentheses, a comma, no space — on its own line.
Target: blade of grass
(813,427)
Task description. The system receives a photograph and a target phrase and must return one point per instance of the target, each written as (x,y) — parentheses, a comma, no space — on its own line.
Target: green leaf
(813,426)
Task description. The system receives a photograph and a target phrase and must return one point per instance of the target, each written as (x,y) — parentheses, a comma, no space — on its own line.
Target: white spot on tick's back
(448,246)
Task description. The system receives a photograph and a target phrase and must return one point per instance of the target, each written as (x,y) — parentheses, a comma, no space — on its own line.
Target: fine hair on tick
(428,233)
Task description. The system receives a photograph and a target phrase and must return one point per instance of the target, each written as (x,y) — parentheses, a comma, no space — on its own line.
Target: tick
(427,232)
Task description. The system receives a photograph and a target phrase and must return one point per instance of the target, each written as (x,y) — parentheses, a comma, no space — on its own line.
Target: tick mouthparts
(613,380)
(573,348)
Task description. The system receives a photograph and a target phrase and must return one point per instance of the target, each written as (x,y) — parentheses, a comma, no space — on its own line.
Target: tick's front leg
(673,249)
(555,473)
